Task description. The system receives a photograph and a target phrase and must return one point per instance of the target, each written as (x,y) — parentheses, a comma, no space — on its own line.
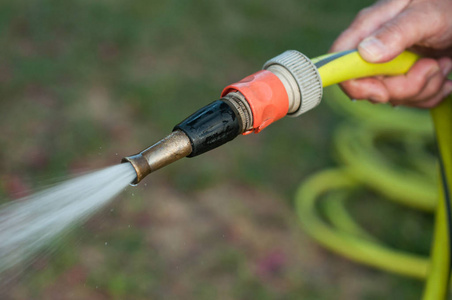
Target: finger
(371,88)
(435,84)
(422,82)
(367,21)
(432,87)
(438,98)
(411,26)
(435,88)
(423,79)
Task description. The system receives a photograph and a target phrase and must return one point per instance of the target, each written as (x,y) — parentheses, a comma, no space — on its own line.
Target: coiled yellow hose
(365,166)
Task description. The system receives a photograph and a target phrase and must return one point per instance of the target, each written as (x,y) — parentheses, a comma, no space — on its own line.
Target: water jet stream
(27,224)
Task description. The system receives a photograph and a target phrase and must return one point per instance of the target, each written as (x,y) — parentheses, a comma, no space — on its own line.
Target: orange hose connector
(266,96)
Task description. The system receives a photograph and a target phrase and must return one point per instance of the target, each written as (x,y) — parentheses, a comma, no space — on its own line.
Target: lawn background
(84,83)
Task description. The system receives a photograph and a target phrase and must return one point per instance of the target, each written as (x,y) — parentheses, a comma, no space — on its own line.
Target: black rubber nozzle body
(211,127)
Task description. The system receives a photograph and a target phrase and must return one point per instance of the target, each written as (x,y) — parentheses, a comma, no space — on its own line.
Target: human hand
(383,31)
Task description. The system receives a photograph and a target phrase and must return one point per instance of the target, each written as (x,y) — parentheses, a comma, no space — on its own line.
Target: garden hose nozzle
(289,84)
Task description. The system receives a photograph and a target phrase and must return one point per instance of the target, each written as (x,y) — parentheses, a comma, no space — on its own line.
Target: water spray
(289,84)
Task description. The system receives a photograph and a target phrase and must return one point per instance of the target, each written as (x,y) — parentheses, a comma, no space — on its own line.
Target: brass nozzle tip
(174,147)
(140,164)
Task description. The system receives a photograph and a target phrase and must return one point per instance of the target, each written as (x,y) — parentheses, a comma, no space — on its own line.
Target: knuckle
(361,18)
(433,12)
(364,13)
(394,30)
(441,23)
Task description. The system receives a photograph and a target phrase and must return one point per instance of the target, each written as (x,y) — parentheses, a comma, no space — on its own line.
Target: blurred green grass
(84,83)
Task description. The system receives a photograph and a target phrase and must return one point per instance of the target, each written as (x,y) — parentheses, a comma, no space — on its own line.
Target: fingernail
(372,49)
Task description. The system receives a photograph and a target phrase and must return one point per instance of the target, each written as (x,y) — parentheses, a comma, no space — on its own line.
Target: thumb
(403,31)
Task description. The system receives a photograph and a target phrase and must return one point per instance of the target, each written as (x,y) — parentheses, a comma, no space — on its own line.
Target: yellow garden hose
(365,166)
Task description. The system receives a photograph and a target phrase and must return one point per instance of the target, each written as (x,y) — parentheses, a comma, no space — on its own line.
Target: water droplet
(133,195)
(106,243)
(116,154)
(129,225)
